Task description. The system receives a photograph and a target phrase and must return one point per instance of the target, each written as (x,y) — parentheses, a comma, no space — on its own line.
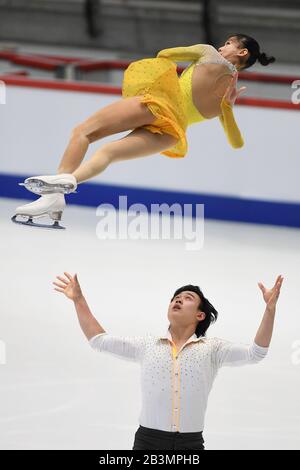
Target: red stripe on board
(100,65)
(60,85)
(112,90)
(52,62)
(14,73)
(66,60)
(263,103)
(264,77)
(31,60)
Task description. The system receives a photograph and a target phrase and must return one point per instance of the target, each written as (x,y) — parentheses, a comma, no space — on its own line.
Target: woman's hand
(271,295)
(232,93)
(69,286)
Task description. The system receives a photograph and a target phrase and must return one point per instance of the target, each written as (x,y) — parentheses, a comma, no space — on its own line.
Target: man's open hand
(69,286)
(271,295)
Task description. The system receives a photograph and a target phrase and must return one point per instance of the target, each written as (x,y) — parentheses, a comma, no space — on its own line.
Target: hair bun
(263,59)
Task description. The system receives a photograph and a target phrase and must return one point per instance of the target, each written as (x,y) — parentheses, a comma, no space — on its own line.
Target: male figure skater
(177,369)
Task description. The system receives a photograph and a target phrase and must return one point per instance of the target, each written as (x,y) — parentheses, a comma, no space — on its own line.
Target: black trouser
(149,439)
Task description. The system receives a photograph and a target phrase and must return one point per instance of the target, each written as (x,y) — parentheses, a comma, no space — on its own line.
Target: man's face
(184,309)
(232,49)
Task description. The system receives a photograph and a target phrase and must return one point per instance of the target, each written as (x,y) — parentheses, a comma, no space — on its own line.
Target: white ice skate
(64,183)
(48,204)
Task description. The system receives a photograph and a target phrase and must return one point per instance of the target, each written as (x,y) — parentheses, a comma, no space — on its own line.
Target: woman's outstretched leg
(121,116)
(139,143)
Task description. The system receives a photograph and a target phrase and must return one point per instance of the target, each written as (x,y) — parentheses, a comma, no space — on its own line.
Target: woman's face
(232,50)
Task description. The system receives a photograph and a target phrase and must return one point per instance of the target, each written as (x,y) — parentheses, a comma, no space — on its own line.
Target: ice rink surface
(57,393)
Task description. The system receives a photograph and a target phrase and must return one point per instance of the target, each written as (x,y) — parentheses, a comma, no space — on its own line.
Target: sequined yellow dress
(169,97)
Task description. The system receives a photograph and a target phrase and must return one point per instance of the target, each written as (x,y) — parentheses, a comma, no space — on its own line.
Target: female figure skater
(178,369)
(158,106)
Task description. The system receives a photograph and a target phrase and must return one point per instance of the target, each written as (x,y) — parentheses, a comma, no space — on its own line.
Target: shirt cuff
(261,349)
(91,340)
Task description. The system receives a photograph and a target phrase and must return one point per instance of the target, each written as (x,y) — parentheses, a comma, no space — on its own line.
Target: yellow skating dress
(169,97)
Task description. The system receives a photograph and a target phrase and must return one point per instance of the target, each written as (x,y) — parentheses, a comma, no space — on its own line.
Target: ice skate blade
(41,188)
(31,223)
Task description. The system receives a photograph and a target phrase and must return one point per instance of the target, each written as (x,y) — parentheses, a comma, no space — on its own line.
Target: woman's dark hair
(254,51)
(205,306)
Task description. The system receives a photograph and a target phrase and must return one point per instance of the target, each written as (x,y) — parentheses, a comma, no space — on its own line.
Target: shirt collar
(192,339)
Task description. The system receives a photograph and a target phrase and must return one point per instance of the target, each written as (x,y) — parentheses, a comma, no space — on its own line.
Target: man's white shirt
(175,384)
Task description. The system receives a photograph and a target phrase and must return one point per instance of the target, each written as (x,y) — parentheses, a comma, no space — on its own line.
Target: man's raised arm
(235,354)
(69,286)
(265,330)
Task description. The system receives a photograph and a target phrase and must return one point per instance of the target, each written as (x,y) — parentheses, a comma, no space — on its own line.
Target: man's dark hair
(205,306)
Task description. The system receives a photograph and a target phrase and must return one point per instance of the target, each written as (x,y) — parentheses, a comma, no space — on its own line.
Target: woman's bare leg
(139,143)
(123,115)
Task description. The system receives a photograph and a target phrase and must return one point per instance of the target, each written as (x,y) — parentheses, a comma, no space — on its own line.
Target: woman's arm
(230,126)
(189,53)
(70,287)
(227,119)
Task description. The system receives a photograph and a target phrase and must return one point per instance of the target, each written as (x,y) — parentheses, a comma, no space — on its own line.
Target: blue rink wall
(216,207)
(258,183)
